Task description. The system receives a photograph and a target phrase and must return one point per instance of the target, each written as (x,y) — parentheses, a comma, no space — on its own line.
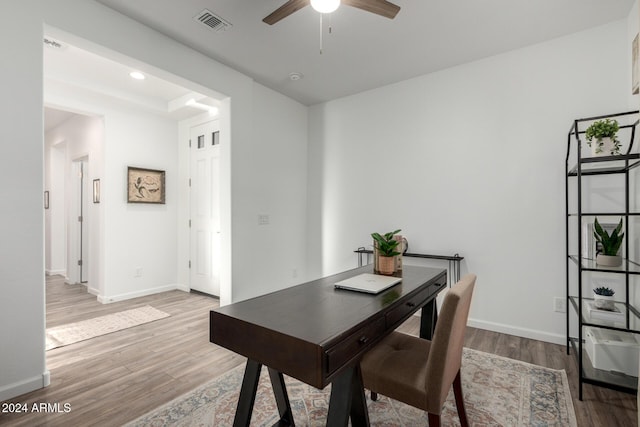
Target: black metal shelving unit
(579,169)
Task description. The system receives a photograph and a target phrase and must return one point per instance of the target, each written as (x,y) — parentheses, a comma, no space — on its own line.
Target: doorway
(205,246)
(78,220)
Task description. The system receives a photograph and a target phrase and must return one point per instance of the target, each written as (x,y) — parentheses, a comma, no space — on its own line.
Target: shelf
(605,165)
(630,311)
(455,257)
(613,380)
(627,266)
(601,214)
(581,311)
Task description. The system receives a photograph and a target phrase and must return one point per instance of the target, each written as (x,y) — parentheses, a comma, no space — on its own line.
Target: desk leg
(247,394)
(428,319)
(348,400)
(359,413)
(282,399)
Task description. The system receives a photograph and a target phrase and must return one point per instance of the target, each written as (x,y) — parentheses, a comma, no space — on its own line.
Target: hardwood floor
(110,380)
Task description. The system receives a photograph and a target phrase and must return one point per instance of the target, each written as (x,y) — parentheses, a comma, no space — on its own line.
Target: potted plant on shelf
(603,298)
(610,244)
(604,133)
(385,251)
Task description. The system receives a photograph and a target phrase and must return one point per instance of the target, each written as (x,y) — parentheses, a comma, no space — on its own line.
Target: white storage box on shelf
(613,350)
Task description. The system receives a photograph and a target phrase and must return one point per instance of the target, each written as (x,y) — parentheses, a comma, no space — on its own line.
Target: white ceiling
(73,68)
(364,50)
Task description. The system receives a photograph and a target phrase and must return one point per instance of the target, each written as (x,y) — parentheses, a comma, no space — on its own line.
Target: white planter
(603,147)
(603,302)
(609,260)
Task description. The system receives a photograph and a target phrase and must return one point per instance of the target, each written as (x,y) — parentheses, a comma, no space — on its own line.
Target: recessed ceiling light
(295,76)
(137,75)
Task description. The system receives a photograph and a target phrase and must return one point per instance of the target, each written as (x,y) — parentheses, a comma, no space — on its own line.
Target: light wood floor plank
(115,378)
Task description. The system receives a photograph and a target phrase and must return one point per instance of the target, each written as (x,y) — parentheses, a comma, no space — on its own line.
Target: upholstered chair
(420,372)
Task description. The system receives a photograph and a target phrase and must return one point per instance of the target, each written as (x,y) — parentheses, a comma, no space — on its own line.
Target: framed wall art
(96,191)
(635,77)
(145,185)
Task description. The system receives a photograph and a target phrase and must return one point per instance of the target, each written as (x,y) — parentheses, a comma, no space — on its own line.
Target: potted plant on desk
(610,245)
(385,250)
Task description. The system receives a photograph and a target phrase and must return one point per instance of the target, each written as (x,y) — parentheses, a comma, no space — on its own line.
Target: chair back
(445,356)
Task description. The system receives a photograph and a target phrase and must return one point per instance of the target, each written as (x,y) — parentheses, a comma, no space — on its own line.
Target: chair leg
(434,420)
(457,391)
(374,396)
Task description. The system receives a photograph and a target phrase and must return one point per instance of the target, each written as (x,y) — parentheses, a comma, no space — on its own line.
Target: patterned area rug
(497,391)
(91,328)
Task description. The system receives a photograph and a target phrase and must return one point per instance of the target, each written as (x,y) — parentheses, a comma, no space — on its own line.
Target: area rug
(498,392)
(79,331)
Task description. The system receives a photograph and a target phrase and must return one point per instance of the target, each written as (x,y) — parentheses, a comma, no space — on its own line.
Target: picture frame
(96,191)
(145,185)
(635,71)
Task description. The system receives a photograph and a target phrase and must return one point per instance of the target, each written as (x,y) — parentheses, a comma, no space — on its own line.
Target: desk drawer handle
(411,304)
(363,339)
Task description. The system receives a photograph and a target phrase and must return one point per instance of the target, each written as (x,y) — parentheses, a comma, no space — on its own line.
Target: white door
(205,208)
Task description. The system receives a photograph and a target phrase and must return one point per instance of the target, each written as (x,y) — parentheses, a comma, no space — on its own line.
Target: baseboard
(17,389)
(512,330)
(183,288)
(519,332)
(55,272)
(107,299)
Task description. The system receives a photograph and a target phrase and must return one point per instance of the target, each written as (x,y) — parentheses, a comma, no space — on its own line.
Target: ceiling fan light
(325,6)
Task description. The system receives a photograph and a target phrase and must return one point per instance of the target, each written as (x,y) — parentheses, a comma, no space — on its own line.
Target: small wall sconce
(96,191)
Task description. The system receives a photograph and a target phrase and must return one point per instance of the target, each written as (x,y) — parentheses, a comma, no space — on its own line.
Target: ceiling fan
(379,7)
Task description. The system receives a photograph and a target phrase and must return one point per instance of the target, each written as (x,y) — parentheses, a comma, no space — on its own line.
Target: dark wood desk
(318,334)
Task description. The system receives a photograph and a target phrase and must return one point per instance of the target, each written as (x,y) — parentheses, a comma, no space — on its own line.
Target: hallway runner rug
(70,333)
(498,392)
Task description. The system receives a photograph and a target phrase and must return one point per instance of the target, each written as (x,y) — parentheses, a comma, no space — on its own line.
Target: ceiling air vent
(211,20)
(53,43)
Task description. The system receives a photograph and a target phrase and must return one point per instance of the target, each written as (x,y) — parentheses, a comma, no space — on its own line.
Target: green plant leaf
(386,243)
(610,243)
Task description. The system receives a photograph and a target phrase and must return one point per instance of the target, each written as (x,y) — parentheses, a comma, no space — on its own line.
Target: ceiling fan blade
(379,7)
(285,10)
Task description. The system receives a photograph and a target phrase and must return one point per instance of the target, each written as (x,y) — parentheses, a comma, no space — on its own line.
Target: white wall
(55,228)
(138,236)
(129,236)
(79,136)
(468,160)
(276,176)
(22,365)
(22,360)
(273,178)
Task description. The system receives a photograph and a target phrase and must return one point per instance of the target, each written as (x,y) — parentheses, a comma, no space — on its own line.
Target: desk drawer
(403,311)
(348,348)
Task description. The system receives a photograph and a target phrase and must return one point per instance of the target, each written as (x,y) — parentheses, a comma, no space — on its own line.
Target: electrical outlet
(559,305)
(263,219)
